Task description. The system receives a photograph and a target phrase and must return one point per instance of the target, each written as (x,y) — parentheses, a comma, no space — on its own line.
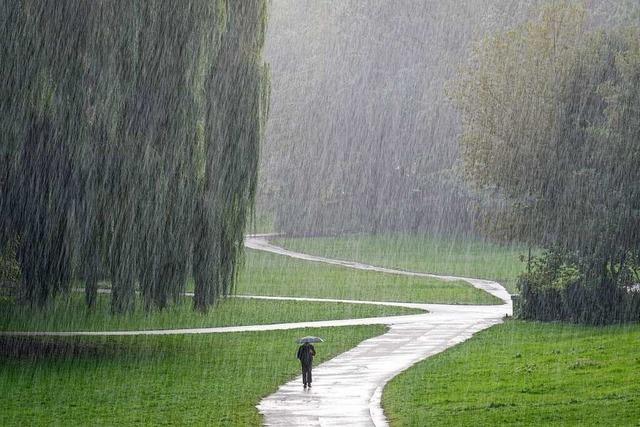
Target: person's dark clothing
(305,355)
(306,374)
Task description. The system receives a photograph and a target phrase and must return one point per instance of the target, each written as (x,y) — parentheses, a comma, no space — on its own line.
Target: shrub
(560,286)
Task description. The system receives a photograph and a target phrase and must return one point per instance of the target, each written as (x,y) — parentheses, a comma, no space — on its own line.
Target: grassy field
(447,256)
(275,275)
(208,380)
(522,373)
(212,379)
(70,314)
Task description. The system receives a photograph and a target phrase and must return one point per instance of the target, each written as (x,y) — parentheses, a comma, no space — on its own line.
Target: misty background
(361,134)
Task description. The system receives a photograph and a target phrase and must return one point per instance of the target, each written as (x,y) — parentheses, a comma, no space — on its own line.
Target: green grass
(212,379)
(70,314)
(207,380)
(276,275)
(439,255)
(522,373)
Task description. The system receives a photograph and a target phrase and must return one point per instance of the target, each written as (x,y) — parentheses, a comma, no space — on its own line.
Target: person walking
(305,354)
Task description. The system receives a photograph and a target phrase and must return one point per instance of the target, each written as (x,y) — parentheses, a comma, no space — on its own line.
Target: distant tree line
(551,122)
(130,144)
(362,136)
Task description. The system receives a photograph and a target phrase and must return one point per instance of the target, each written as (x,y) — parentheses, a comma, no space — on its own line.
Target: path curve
(348,388)
(260,242)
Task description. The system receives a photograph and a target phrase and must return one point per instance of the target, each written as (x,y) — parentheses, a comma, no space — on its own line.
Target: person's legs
(306,375)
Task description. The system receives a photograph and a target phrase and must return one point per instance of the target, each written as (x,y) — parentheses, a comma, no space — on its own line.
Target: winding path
(348,388)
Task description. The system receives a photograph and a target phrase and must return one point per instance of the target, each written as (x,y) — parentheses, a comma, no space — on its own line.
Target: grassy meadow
(524,373)
(212,380)
(439,255)
(71,314)
(517,373)
(276,275)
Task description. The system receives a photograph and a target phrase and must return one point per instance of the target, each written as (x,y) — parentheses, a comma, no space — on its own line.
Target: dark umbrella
(310,339)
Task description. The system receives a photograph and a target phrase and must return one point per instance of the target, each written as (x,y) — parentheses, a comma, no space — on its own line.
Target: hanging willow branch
(130,141)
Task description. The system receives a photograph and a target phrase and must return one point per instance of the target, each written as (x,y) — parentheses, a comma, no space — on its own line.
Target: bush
(559,286)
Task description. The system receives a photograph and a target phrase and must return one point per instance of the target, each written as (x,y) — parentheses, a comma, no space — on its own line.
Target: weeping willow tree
(130,141)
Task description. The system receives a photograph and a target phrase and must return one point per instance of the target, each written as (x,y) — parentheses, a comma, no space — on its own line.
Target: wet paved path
(347,389)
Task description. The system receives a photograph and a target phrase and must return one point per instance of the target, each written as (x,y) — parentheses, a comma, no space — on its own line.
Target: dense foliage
(129,147)
(361,135)
(556,287)
(550,125)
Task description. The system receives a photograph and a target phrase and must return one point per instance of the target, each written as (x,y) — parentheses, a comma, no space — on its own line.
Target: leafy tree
(547,113)
(361,135)
(126,128)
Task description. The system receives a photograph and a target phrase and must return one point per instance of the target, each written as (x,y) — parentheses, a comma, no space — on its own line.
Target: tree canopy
(550,114)
(546,110)
(130,143)
(361,135)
